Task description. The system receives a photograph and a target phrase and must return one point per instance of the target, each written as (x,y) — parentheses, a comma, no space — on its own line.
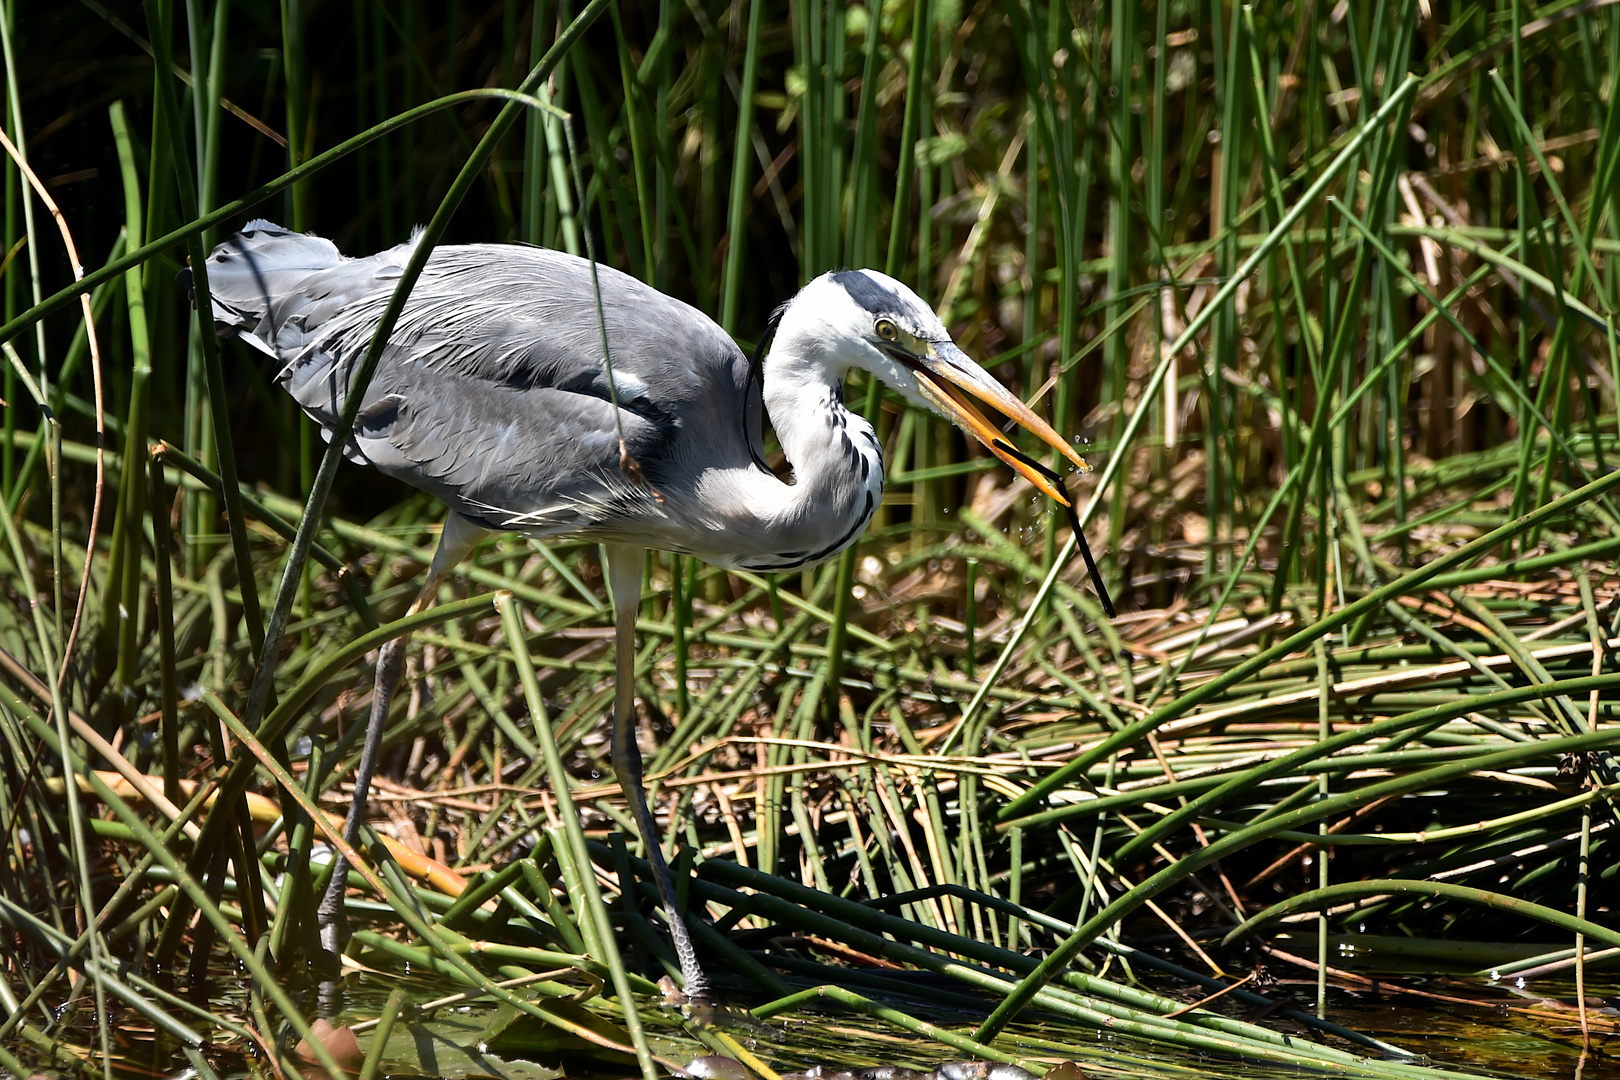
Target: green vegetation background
(1324,287)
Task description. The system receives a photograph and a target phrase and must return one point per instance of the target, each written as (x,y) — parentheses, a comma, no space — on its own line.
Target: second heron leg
(624,565)
(455,543)
(330,914)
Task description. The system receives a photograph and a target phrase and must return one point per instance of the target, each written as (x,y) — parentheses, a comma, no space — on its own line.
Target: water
(1496,1038)
(1456,1021)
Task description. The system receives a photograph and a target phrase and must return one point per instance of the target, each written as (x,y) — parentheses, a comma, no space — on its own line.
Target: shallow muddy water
(1455,1023)
(1514,1032)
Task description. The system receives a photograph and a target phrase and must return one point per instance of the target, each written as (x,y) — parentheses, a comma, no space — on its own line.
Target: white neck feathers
(834,454)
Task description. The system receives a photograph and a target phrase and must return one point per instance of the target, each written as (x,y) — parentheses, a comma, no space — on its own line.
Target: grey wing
(492,393)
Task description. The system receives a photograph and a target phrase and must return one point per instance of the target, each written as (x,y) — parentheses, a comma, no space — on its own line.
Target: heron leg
(455,543)
(624,565)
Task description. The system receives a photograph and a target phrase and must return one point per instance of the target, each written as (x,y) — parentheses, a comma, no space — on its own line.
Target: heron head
(864,319)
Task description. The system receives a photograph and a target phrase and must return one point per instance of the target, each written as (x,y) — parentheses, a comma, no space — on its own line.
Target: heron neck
(836,460)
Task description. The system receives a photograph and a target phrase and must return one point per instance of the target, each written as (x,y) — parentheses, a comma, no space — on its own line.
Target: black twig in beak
(1074,522)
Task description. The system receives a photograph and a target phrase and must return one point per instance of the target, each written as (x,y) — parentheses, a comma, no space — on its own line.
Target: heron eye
(886,330)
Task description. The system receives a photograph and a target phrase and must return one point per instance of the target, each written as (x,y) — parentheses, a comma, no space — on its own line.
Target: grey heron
(494,395)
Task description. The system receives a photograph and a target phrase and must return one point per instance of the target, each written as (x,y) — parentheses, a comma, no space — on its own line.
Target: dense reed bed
(1325,288)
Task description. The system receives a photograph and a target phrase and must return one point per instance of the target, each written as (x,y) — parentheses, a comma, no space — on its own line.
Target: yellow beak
(955,384)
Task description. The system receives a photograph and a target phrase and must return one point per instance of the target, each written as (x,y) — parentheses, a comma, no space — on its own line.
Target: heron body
(492,396)
(495,394)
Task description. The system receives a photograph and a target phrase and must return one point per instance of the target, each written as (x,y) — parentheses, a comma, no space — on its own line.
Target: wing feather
(492,393)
